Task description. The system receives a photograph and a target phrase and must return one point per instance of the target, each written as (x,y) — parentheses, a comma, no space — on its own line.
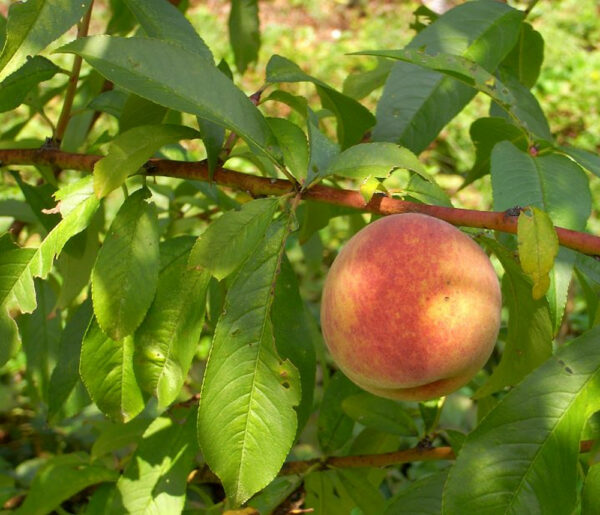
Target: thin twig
(503,221)
(65,114)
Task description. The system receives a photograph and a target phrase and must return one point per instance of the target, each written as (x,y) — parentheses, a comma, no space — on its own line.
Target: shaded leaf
(125,275)
(140,111)
(528,445)
(59,479)
(538,246)
(106,369)
(293,144)
(359,85)
(33,25)
(590,496)
(192,85)
(585,159)
(244,32)
(423,497)
(379,413)
(9,336)
(525,60)
(248,392)
(322,150)
(230,239)
(130,150)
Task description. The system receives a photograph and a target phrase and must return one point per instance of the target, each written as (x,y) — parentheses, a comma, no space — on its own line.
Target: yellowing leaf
(538,246)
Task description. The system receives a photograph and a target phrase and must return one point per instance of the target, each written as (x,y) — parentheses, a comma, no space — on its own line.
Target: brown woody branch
(505,221)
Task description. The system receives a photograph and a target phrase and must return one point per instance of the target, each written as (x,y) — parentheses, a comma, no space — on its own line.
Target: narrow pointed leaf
(106,369)
(525,60)
(192,85)
(166,341)
(416,102)
(131,149)
(162,20)
(588,160)
(59,479)
(293,144)
(244,32)
(125,275)
(538,246)
(230,239)
(155,481)
(528,445)
(33,25)
(9,336)
(15,87)
(248,391)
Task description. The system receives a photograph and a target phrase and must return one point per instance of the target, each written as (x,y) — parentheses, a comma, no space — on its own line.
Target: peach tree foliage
(162,335)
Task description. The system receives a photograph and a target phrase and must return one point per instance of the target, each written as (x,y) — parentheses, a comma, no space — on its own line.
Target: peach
(411,308)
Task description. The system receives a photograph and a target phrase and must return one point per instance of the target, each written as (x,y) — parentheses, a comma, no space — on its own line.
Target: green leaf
(334,426)
(293,144)
(416,102)
(525,60)
(155,481)
(529,336)
(66,373)
(588,160)
(590,496)
(213,137)
(293,336)
(125,275)
(40,200)
(353,118)
(548,182)
(244,32)
(326,494)
(106,369)
(378,413)
(230,239)
(538,246)
(359,85)
(162,20)
(192,85)
(485,133)
(15,87)
(140,111)
(166,341)
(59,479)
(423,497)
(528,445)
(33,25)
(322,150)
(114,436)
(9,336)
(374,160)
(131,149)
(246,420)
(19,267)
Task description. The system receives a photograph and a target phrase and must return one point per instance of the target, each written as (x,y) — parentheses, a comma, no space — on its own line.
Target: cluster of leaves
(194,290)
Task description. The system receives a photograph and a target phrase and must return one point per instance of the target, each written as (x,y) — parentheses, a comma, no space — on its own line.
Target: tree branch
(505,221)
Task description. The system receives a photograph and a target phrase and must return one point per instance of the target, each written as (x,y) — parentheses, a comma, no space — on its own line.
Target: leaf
(166,341)
(244,32)
(192,85)
(9,336)
(590,496)
(334,426)
(374,160)
(538,246)
(106,369)
(293,144)
(548,182)
(59,479)
(528,445)
(423,497)
(114,436)
(140,111)
(529,336)
(359,85)
(524,61)
(230,239)
(155,481)
(485,133)
(417,103)
(213,137)
(326,495)
(33,25)
(19,267)
(353,118)
(293,336)
(588,160)
(378,413)
(40,200)
(125,275)
(162,20)
(66,373)
(15,87)
(322,150)
(130,150)
(246,420)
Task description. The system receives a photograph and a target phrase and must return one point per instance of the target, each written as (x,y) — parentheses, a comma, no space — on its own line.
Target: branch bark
(505,221)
